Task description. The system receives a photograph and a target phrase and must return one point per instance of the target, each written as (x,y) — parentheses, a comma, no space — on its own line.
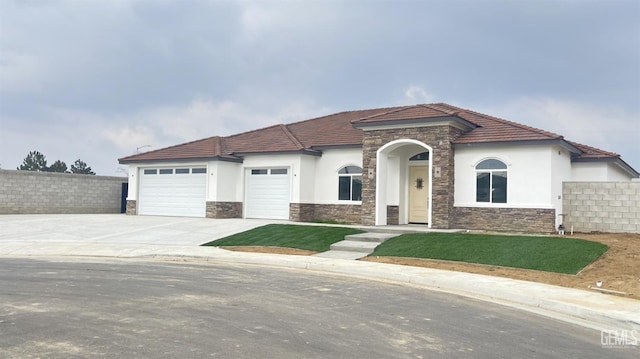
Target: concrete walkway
(177,239)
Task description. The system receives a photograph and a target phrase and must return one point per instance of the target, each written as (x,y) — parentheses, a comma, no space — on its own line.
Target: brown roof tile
(333,130)
(338,130)
(592,152)
(407,113)
(210,147)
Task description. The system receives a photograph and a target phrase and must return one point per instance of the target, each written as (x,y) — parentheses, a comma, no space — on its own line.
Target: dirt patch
(618,268)
(277,250)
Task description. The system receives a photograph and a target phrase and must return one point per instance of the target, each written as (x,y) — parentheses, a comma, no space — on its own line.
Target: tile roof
(339,129)
(211,147)
(408,113)
(335,129)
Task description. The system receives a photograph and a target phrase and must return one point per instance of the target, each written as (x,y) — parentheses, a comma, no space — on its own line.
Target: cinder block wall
(612,207)
(25,192)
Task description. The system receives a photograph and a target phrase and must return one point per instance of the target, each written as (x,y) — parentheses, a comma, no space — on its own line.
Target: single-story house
(433,164)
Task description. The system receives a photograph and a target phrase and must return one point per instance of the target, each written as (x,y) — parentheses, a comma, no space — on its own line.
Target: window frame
(496,193)
(352,174)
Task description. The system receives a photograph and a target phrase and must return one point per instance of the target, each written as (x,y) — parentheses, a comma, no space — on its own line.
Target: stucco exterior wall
(326,174)
(532,171)
(27,192)
(225,181)
(602,206)
(597,171)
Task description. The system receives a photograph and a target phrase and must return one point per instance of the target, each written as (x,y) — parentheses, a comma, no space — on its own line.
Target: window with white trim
(350,183)
(491,181)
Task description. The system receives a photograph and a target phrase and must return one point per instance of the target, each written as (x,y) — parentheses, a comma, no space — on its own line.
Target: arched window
(491,181)
(350,183)
(424,156)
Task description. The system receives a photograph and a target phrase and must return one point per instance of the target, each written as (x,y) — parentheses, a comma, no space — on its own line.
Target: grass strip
(551,254)
(313,238)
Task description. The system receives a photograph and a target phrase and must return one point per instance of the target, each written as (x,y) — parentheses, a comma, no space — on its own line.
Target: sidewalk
(590,309)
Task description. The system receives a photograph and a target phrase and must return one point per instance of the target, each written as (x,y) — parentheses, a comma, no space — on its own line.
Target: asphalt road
(85,308)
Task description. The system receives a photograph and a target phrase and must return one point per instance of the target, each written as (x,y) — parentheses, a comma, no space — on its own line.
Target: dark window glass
(182,170)
(150,172)
(166,171)
(420,157)
(198,170)
(491,164)
(350,169)
(356,193)
(259,172)
(344,188)
(483,186)
(279,171)
(499,187)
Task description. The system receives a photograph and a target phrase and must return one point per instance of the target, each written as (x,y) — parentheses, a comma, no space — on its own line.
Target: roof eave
(552,141)
(124,161)
(336,147)
(310,152)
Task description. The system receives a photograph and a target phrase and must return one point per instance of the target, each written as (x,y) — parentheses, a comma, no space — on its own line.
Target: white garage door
(173,191)
(267,194)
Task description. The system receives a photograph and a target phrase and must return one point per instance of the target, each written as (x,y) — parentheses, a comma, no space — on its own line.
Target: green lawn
(313,238)
(552,254)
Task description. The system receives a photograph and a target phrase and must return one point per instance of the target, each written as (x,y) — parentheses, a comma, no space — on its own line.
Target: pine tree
(35,161)
(80,167)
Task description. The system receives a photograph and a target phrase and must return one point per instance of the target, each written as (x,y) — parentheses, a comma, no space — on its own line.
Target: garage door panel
(267,195)
(173,194)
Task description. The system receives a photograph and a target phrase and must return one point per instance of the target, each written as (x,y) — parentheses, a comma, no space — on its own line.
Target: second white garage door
(267,193)
(173,192)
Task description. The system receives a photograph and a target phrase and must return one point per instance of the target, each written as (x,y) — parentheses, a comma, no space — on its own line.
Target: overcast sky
(96,80)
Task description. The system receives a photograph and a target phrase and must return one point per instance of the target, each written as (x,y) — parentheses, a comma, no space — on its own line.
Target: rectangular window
(151,172)
(259,172)
(198,170)
(166,171)
(350,188)
(499,187)
(182,171)
(279,171)
(491,187)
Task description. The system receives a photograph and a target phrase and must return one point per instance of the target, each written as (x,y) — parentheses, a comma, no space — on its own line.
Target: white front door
(419,194)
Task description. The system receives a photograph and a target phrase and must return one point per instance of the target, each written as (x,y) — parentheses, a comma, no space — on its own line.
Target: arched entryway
(403,183)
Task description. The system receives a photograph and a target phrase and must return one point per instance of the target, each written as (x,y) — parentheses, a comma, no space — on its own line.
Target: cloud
(20,73)
(416,94)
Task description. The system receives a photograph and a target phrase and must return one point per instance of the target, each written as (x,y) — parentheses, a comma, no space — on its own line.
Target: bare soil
(618,268)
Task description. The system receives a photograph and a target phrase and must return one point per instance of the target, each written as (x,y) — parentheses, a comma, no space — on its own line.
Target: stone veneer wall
(224,209)
(132,207)
(393,215)
(505,219)
(602,206)
(439,138)
(29,192)
(309,212)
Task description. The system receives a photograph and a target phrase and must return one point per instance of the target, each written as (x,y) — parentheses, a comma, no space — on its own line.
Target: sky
(97,80)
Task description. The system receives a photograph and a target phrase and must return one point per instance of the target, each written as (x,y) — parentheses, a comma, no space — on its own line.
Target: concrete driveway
(120,229)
